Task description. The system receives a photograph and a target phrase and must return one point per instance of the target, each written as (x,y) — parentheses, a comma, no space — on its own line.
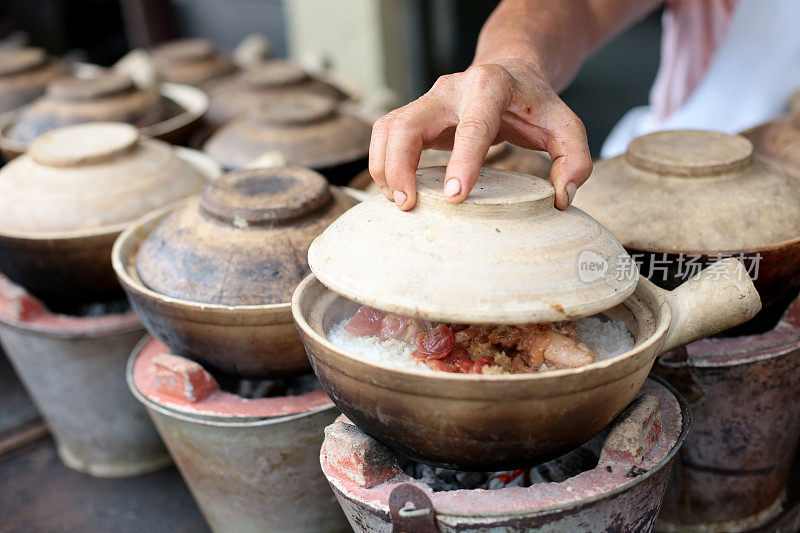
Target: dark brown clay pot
(24,74)
(106,98)
(191,62)
(239,95)
(190,103)
(213,280)
(63,204)
(308,130)
(779,141)
(699,196)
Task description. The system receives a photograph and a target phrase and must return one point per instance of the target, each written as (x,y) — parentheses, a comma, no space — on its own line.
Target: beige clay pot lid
(693,191)
(504,255)
(14,62)
(779,141)
(89,177)
(244,241)
(307,129)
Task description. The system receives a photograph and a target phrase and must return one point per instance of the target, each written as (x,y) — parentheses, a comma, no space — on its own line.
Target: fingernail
(387,192)
(572,188)
(399,197)
(452,187)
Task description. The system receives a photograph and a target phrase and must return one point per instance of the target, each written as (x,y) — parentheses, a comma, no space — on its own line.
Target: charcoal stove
(731,475)
(251,463)
(72,368)
(619,488)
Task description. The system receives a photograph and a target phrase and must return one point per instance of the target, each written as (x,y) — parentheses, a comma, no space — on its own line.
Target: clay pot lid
(102,86)
(244,242)
(779,141)
(184,50)
(90,178)
(22,59)
(693,192)
(309,130)
(273,74)
(294,110)
(84,144)
(251,197)
(689,153)
(504,255)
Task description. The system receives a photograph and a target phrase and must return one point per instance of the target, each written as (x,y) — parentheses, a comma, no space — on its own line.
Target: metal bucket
(248,471)
(745,395)
(622,493)
(73,368)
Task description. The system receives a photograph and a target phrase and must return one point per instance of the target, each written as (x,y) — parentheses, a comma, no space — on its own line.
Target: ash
(268,388)
(567,466)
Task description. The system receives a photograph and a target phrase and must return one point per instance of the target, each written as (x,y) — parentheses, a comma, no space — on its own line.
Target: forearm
(553,37)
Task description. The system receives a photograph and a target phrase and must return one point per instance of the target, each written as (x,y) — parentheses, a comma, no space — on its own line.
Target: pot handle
(718,298)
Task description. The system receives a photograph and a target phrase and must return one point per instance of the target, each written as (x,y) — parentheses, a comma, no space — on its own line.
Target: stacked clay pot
(307,129)
(260,83)
(24,74)
(191,62)
(63,204)
(213,279)
(701,195)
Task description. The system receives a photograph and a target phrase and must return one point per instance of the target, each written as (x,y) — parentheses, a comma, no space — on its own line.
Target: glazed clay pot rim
(192,101)
(132,281)
(187,155)
(662,314)
(686,422)
(206,420)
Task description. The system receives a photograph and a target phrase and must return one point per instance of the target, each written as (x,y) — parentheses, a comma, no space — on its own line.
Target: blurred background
(400,48)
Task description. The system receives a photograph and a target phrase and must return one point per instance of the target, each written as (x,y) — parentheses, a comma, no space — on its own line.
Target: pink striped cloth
(693,29)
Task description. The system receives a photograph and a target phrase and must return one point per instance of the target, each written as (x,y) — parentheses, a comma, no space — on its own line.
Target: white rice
(606,338)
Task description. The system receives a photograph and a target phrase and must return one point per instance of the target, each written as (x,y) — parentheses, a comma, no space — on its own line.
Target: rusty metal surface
(17,408)
(79,386)
(255,476)
(600,499)
(38,493)
(745,395)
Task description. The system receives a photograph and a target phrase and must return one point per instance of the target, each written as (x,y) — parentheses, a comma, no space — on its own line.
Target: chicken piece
(564,352)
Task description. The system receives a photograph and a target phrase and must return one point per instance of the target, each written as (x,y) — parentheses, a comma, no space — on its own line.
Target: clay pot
(794,103)
(169,113)
(528,269)
(24,74)
(213,279)
(191,62)
(307,129)
(63,204)
(700,195)
(779,141)
(240,94)
(504,156)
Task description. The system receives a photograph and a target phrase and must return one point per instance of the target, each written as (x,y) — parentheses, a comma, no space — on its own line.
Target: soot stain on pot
(257,185)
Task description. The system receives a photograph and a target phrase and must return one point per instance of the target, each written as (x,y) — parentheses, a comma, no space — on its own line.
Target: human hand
(467,112)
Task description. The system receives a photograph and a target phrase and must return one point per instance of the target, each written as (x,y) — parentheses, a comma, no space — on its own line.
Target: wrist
(519,61)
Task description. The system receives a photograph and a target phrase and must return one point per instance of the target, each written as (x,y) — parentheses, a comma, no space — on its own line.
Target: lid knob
(689,152)
(16,61)
(84,144)
(295,109)
(499,192)
(264,195)
(73,89)
(273,74)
